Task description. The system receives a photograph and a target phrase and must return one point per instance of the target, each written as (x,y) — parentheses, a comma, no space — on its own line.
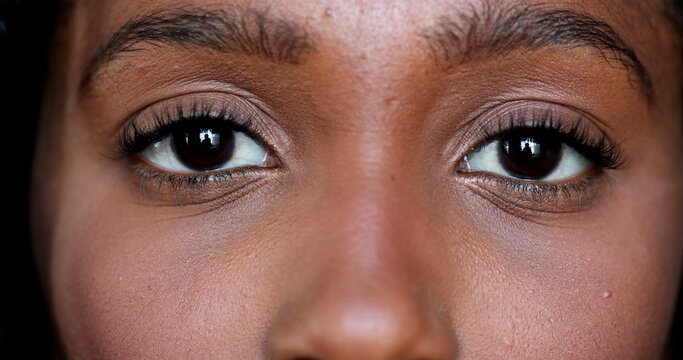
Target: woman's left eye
(530,154)
(205,147)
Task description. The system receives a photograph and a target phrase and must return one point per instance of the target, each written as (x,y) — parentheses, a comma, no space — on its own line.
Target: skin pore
(367,229)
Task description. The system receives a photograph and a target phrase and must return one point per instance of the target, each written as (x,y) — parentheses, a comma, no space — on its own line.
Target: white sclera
(247,152)
(570,165)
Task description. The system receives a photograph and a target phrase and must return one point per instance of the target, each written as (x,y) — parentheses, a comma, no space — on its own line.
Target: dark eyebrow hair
(249,32)
(496,29)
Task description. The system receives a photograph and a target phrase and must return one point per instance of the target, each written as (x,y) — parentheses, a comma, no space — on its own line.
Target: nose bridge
(364,300)
(367,275)
(368,170)
(367,206)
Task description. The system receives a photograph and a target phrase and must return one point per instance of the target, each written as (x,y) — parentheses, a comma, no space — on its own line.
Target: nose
(369,306)
(363,287)
(369,328)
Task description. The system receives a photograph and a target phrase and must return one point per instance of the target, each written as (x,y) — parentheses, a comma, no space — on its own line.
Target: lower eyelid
(536,200)
(160,188)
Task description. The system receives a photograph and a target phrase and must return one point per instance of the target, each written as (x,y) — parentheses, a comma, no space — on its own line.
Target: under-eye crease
(562,136)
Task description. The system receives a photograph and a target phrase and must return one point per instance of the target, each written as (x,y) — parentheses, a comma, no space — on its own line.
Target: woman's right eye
(203,146)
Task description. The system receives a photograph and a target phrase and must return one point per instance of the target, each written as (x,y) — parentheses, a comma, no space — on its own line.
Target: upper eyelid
(510,105)
(251,113)
(166,124)
(488,121)
(597,147)
(571,131)
(134,136)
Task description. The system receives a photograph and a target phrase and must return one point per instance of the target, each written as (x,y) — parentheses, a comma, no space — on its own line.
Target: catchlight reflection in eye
(196,149)
(523,155)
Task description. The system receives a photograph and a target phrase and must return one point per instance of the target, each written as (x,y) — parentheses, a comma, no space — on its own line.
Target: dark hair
(26,29)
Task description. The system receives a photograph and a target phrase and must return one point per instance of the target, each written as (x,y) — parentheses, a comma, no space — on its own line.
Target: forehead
(356,16)
(385,32)
(357,25)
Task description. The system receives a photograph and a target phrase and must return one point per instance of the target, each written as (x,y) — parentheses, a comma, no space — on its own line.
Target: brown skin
(363,242)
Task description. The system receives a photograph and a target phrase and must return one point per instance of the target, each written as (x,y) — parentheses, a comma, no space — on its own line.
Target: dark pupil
(529,154)
(204,148)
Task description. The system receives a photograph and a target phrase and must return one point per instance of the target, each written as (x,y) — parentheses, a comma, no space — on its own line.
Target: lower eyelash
(192,189)
(528,199)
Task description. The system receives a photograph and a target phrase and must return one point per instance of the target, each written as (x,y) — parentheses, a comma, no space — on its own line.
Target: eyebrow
(249,32)
(496,29)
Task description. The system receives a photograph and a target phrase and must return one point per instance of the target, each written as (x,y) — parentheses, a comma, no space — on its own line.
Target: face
(361,180)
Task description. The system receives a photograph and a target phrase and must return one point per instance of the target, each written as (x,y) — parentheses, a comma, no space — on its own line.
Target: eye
(205,145)
(529,154)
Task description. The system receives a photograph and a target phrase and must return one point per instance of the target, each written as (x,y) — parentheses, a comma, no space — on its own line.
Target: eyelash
(600,150)
(135,138)
(532,196)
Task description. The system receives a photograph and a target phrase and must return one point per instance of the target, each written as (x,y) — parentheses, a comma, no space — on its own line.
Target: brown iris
(204,148)
(529,154)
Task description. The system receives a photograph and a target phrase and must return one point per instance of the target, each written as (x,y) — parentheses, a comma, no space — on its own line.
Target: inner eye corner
(462,166)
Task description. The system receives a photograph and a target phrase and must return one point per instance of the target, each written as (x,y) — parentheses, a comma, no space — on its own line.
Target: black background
(25,29)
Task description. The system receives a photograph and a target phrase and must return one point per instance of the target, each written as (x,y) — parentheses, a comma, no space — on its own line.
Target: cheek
(596,284)
(130,283)
(594,290)
(606,295)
